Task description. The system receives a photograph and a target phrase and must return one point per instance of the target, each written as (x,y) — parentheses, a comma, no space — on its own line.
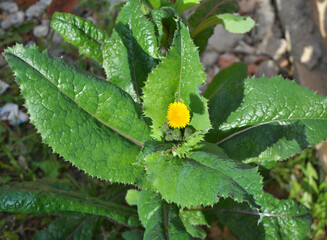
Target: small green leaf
(232,23)
(232,74)
(152,4)
(190,143)
(165,24)
(205,10)
(90,122)
(132,197)
(160,219)
(153,146)
(281,219)
(40,197)
(182,5)
(192,219)
(201,178)
(70,227)
(266,120)
(211,8)
(177,78)
(80,33)
(131,52)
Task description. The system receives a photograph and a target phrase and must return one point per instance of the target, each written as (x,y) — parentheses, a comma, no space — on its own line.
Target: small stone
(242,47)
(14,19)
(46,2)
(267,68)
(252,68)
(255,58)
(41,31)
(284,63)
(209,58)
(227,59)
(9,7)
(224,41)
(310,56)
(216,70)
(36,10)
(3,86)
(266,20)
(247,6)
(273,47)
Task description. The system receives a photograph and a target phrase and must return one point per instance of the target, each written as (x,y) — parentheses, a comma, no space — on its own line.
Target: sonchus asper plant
(147,125)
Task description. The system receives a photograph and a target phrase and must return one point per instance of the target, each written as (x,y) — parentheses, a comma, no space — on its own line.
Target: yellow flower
(178,115)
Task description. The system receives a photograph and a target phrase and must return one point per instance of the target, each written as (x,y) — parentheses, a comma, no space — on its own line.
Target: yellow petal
(178,116)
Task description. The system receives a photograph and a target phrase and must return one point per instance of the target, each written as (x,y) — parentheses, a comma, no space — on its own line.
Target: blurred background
(290,40)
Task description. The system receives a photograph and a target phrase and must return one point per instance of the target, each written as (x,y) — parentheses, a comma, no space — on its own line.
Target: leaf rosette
(148,125)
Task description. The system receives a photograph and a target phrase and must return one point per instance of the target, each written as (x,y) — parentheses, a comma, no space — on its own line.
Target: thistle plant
(190,158)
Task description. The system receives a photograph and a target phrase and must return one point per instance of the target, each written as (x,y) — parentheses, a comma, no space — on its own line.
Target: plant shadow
(140,62)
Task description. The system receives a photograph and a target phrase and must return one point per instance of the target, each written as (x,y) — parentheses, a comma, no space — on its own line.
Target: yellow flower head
(178,115)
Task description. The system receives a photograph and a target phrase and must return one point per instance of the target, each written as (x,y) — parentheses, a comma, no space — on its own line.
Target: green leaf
(205,10)
(152,4)
(211,8)
(161,220)
(90,122)
(132,196)
(190,143)
(131,52)
(182,5)
(266,120)
(191,220)
(70,227)
(42,197)
(232,74)
(148,204)
(201,178)
(232,23)
(282,219)
(80,33)
(135,234)
(153,146)
(165,24)
(177,78)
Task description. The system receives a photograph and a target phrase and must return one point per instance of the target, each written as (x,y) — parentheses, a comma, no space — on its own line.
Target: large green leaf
(90,122)
(81,33)
(160,219)
(282,219)
(71,227)
(202,178)
(43,197)
(267,119)
(177,78)
(131,52)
